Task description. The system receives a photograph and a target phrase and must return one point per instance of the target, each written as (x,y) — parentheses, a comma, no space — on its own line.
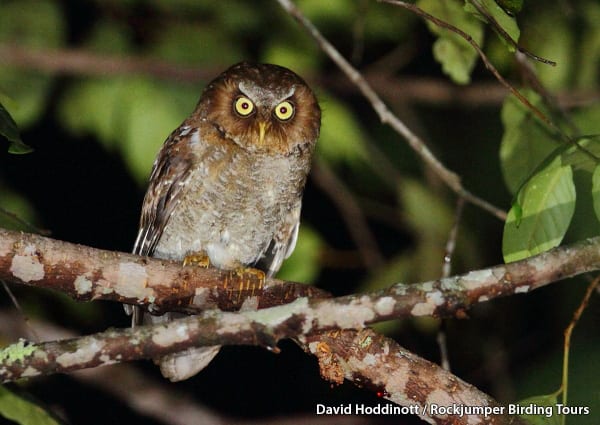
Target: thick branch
(87,274)
(362,357)
(374,361)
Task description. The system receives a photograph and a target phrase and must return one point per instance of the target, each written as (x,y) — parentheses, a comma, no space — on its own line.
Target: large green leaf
(9,130)
(540,410)
(37,24)
(342,139)
(453,52)
(22,411)
(549,35)
(539,219)
(596,191)
(526,142)
(507,23)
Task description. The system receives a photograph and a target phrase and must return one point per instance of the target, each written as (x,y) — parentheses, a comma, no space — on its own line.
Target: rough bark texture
(326,327)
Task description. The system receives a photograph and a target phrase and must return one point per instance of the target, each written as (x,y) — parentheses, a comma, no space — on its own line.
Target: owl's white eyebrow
(246,92)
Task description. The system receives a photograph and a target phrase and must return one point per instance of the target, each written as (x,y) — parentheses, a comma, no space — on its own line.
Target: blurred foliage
(22,411)
(115,121)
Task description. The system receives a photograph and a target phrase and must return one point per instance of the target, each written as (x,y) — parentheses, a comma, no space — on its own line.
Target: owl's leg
(198,259)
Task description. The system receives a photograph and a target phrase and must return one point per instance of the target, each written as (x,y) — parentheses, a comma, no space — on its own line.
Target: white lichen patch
(476,279)
(250,304)
(27,267)
(170,334)
(201,295)
(370,360)
(427,286)
(483,298)
(385,306)
(82,285)
(396,381)
(130,281)
(522,289)
(351,316)
(232,323)
(275,315)
(427,308)
(85,353)
(29,372)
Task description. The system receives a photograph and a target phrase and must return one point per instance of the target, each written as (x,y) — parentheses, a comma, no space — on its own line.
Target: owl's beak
(262,128)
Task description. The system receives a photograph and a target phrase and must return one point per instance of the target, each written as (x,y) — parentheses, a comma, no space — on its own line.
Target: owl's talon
(248,274)
(250,279)
(198,259)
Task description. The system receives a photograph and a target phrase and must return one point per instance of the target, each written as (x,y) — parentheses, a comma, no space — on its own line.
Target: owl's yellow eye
(243,106)
(284,111)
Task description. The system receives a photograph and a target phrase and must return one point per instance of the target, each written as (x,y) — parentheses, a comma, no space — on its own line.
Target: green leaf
(303,265)
(526,142)
(37,24)
(534,416)
(453,52)
(149,113)
(549,34)
(512,7)
(23,411)
(547,203)
(341,139)
(8,129)
(596,191)
(133,115)
(507,23)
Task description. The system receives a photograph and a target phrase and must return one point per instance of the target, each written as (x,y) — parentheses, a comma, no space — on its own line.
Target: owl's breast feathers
(236,205)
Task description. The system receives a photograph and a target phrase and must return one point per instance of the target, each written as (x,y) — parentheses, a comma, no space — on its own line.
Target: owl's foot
(198,259)
(245,280)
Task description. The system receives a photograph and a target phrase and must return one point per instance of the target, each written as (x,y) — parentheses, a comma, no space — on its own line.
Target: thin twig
(484,58)
(568,332)
(77,61)
(451,242)
(351,213)
(22,314)
(386,116)
(498,28)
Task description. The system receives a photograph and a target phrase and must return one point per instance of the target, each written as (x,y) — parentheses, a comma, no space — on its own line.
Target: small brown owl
(227,184)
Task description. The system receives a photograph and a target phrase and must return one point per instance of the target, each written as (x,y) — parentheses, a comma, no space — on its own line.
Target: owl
(227,184)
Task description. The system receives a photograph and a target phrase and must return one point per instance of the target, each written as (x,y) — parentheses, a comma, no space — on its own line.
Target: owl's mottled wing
(170,174)
(283,243)
(168,179)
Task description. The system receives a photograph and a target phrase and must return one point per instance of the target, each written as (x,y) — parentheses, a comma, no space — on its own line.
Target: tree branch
(87,273)
(379,363)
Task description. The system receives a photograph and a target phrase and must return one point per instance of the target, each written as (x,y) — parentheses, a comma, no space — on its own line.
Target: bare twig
(386,116)
(498,28)
(443,24)
(87,63)
(567,344)
(76,61)
(30,330)
(350,212)
(451,242)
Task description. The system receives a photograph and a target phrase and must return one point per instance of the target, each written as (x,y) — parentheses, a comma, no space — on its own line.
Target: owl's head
(262,108)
